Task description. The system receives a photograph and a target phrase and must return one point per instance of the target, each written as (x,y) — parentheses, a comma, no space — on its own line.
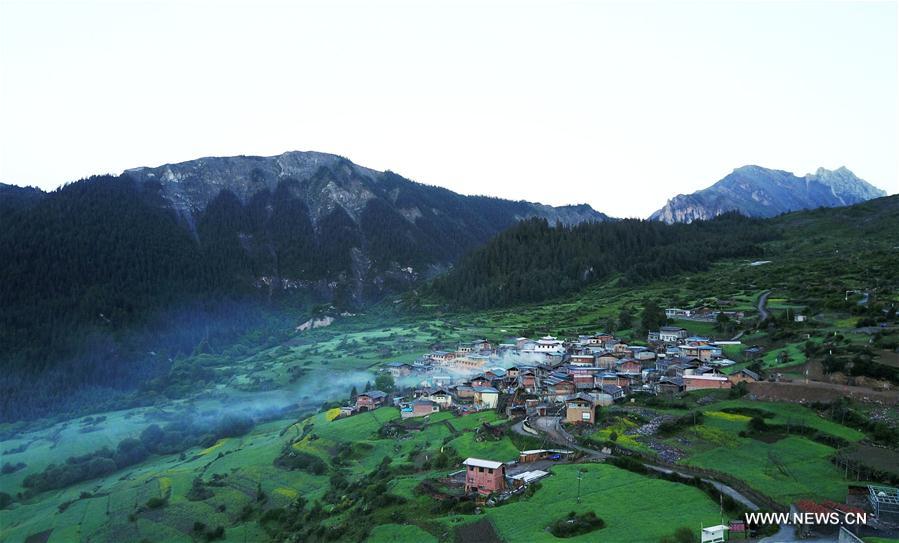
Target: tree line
(534,260)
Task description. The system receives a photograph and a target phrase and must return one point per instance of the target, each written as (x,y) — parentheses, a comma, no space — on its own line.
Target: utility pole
(580,475)
(720,506)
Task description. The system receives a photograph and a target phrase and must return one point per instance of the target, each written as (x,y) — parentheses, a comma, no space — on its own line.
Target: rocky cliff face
(761,192)
(315,219)
(324,181)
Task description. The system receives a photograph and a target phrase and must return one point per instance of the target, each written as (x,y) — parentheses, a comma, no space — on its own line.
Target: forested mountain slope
(534,261)
(86,269)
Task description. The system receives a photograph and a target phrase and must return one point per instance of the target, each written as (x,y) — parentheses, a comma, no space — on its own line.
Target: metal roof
(530,476)
(479,463)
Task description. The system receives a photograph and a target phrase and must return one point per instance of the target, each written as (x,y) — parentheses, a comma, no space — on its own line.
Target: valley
(442,272)
(290,467)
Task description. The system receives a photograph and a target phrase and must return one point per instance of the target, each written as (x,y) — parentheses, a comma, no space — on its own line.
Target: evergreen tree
(653,317)
(625,319)
(610,325)
(384,382)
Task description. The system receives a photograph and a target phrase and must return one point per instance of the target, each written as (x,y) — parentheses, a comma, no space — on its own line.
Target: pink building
(485,476)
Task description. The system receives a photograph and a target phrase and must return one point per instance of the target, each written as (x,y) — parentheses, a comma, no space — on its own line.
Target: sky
(620,105)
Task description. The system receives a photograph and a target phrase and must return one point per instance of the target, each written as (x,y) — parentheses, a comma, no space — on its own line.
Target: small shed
(714,534)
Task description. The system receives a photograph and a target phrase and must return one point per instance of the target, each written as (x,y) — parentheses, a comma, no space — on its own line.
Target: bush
(684,535)
(628,463)
(291,460)
(757,424)
(130,451)
(156,502)
(575,524)
(217,533)
(739,390)
(11,468)
(199,491)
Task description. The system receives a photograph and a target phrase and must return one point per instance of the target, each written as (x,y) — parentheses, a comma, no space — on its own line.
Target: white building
(549,344)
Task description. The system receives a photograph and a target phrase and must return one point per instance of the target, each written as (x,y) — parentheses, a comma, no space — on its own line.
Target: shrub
(199,491)
(628,463)
(684,535)
(757,424)
(156,502)
(690,419)
(217,533)
(11,468)
(575,524)
(291,460)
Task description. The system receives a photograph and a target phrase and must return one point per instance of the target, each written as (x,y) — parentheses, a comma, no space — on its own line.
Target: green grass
(396,533)
(474,420)
(788,413)
(246,461)
(807,471)
(617,496)
(704,329)
(795,353)
(502,450)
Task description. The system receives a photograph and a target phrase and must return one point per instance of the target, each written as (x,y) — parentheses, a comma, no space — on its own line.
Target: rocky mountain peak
(761,192)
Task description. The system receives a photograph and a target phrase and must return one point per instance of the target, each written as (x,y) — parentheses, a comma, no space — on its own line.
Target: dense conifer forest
(533,260)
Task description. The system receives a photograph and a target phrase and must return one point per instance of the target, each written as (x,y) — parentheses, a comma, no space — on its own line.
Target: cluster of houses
(523,376)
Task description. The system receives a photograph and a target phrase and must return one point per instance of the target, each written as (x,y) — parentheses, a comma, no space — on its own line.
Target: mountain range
(761,192)
(299,219)
(107,280)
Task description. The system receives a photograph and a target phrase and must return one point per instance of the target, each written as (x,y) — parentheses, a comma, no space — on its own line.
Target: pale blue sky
(617,104)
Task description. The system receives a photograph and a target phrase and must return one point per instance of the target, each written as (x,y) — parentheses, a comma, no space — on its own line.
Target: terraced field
(663,506)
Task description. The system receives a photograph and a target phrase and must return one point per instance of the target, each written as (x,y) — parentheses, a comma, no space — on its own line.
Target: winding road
(763,306)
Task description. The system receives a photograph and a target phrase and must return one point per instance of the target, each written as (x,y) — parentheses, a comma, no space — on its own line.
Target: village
(557,387)
(525,377)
